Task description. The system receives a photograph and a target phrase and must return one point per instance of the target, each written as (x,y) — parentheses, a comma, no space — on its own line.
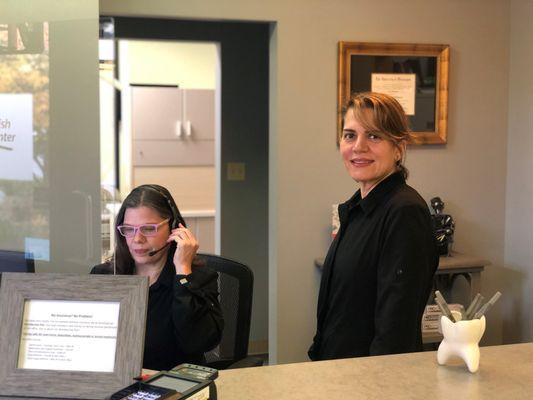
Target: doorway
(170,95)
(243,147)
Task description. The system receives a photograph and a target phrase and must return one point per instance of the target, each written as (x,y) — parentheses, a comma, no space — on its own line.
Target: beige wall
(518,304)
(306,173)
(190,66)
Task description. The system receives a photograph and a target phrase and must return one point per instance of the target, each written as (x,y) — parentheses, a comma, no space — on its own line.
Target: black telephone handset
(195,371)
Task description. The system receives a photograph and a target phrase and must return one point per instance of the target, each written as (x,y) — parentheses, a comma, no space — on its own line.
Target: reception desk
(505,372)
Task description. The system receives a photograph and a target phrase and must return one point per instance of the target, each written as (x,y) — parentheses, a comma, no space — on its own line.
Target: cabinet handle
(178,129)
(188,129)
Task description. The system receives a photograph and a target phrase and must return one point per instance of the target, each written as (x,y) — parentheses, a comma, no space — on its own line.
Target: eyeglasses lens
(126,230)
(148,230)
(129,231)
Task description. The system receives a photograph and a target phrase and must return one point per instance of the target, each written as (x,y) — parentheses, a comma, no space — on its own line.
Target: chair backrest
(236,282)
(15,261)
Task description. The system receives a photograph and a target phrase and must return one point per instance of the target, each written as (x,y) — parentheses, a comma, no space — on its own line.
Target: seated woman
(184,316)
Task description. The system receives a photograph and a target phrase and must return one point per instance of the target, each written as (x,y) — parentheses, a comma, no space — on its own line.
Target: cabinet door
(173,152)
(203,229)
(156,112)
(199,112)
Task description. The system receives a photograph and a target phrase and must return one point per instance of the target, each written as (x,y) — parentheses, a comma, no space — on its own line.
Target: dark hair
(158,199)
(386,116)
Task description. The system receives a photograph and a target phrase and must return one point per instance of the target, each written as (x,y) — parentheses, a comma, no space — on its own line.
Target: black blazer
(377,275)
(184,318)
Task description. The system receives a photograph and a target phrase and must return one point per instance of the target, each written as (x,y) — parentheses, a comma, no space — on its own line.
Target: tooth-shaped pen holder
(461,339)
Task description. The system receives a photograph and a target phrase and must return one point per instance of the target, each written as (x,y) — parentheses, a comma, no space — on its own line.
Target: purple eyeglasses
(145,229)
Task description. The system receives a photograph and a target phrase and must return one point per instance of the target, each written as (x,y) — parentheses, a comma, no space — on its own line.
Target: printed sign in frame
(50,322)
(415,74)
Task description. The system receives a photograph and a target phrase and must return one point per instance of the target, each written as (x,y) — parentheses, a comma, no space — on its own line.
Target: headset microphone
(153,252)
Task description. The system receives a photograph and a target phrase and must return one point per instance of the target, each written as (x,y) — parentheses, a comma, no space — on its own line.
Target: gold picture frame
(362,64)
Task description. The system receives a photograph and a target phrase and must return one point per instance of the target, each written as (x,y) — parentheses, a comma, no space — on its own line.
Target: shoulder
(405,198)
(105,268)
(405,209)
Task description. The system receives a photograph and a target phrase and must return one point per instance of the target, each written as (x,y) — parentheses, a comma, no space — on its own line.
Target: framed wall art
(415,74)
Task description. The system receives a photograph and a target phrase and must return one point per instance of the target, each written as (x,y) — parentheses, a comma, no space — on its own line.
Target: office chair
(236,282)
(15,261)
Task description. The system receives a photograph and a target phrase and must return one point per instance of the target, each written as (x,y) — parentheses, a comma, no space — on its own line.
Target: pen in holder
(463,331)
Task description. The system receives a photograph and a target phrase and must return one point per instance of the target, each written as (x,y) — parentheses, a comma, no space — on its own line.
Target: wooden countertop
(457,261)
(505,373)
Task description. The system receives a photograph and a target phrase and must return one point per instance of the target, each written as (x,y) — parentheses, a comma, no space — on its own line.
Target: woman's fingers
(183,237)
(186,250)
(182,233)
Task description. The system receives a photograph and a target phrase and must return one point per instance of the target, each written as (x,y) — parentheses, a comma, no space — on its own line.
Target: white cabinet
(172,126)
(202,224)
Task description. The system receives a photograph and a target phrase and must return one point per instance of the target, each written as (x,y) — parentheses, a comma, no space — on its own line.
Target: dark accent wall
(244,136)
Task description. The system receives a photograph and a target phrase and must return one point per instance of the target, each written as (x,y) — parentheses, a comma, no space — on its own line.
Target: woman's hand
(186,248)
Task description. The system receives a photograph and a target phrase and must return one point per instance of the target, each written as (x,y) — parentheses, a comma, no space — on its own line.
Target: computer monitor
(15,261)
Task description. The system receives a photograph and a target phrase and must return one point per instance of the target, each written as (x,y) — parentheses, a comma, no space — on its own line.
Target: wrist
(183,269)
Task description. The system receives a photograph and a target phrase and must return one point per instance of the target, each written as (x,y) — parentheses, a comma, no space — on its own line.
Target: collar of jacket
(374,198)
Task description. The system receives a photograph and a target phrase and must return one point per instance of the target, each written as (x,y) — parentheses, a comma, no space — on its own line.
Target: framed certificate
(70,336)
(415,74)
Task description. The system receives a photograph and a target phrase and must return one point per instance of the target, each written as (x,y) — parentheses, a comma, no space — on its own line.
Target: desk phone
(164,386)
(195,371)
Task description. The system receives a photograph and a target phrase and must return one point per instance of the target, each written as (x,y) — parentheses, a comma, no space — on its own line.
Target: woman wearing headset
(184,317)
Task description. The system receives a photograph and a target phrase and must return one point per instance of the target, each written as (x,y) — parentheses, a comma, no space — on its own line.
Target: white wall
(190,66)
(306,174)
(518,299)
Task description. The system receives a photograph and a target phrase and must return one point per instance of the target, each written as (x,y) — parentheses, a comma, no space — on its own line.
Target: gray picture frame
(132,294)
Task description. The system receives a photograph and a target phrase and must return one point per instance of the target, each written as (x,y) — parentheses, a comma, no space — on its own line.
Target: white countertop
(505,372)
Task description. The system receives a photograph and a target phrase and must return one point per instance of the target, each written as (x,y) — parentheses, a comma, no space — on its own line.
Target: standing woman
(378,272)
(184,317)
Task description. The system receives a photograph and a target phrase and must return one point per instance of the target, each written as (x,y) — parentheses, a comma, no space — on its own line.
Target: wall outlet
(236,171)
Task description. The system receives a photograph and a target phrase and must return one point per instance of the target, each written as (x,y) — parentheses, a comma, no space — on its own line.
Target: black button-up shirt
(377,275)
(184,320)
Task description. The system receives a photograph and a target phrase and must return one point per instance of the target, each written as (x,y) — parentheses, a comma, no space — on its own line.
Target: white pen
(439,299)
(487,305)
(474,306)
